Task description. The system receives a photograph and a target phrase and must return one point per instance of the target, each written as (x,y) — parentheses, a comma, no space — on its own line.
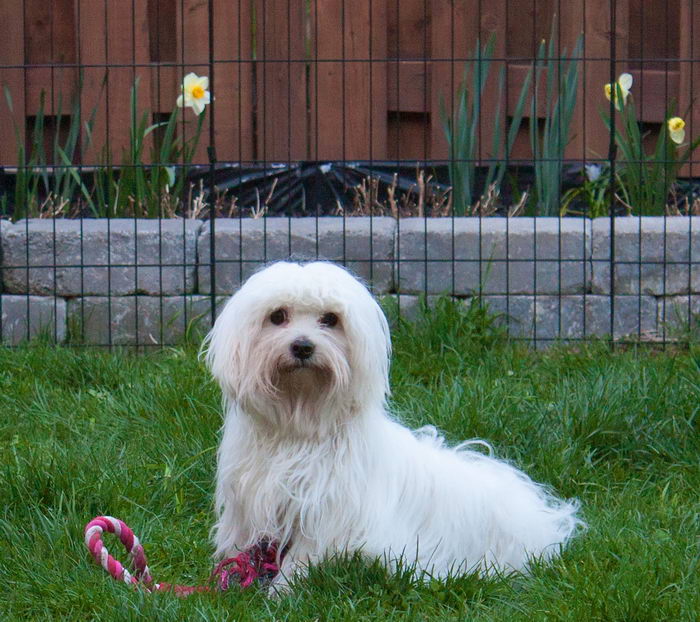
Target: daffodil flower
(194,93)
(676,129)
(592,171)
(624,83)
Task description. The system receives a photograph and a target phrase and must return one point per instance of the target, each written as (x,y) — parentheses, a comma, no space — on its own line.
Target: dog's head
(301,341)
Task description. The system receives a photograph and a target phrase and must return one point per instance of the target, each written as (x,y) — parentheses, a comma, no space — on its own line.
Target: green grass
(87,432)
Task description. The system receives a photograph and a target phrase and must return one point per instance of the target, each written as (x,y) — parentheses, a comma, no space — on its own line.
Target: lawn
(86,432)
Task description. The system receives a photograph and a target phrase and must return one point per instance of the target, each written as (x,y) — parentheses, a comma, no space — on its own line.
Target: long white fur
(311,458)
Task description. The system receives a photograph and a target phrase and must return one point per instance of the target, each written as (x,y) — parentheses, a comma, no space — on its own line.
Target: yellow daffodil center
(675,124)
(608,90)
(197,92)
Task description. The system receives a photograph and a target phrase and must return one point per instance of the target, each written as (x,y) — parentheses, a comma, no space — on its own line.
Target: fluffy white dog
(311,458)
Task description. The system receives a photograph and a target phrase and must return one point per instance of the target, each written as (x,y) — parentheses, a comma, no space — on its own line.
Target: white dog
(311,458)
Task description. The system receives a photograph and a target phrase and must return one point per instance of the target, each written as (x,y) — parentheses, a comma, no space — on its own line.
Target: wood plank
(59,85)
(327,87)
(406,91)
(281,80)
(231,84)
(348,100)
(655,88)
(128,48)
(162,24)
(193,56)
(409,41)
(689,78)
(163,41)
(374,79)
(92,51)
(456,28)
(165,87)
(50,32)
(234,76)
(493,24)
(591,139)
(12,77)
(409,35)
(515,78)
(529,21)
(567,28)
(112,42)
(654,34)
(49,44)
(454,33)
(585,117)
(406,135)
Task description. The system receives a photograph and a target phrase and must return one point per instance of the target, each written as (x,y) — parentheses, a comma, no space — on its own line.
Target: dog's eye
(329,319)
(279,316)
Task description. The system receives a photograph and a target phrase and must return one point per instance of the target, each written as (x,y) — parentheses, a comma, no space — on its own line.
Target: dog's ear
(370,346)
(223,347)
(384,339)
(386,332)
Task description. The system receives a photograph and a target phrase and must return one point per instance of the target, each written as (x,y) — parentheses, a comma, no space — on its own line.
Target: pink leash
(258,562)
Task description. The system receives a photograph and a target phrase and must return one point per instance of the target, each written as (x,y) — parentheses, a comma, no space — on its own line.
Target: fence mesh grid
(457,147)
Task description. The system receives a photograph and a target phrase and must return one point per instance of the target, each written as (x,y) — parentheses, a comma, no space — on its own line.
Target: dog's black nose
(302,348)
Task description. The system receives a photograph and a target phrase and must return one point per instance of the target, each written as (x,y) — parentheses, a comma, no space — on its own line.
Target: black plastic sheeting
(311,188)
(329,188)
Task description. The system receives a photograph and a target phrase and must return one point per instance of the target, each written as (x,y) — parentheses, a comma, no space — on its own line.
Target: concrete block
(653,255)
(548,318)
(515,313)
(578,317)
(464,256)
(679,316)
(100,256)
(365,245)
(405,305)
(138,320)
(5,226)
(26,317)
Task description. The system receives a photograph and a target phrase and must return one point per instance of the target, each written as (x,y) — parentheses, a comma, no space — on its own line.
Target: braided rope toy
(258,562)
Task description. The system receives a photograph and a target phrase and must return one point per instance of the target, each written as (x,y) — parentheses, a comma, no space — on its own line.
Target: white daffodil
(592,171)
(624,83)
(676,129)
(194,93)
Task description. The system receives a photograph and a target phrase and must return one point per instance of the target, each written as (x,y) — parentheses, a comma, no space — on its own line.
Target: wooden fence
(330,79)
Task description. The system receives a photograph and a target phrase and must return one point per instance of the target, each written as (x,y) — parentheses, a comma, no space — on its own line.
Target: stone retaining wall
(126,281)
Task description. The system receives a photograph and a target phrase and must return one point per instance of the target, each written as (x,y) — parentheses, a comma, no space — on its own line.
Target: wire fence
(535,156)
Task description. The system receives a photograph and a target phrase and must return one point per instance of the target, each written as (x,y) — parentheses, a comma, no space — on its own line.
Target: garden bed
(304,189)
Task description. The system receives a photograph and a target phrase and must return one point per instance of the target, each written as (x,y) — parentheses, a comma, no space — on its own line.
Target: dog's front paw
(281,584)
(279,587)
